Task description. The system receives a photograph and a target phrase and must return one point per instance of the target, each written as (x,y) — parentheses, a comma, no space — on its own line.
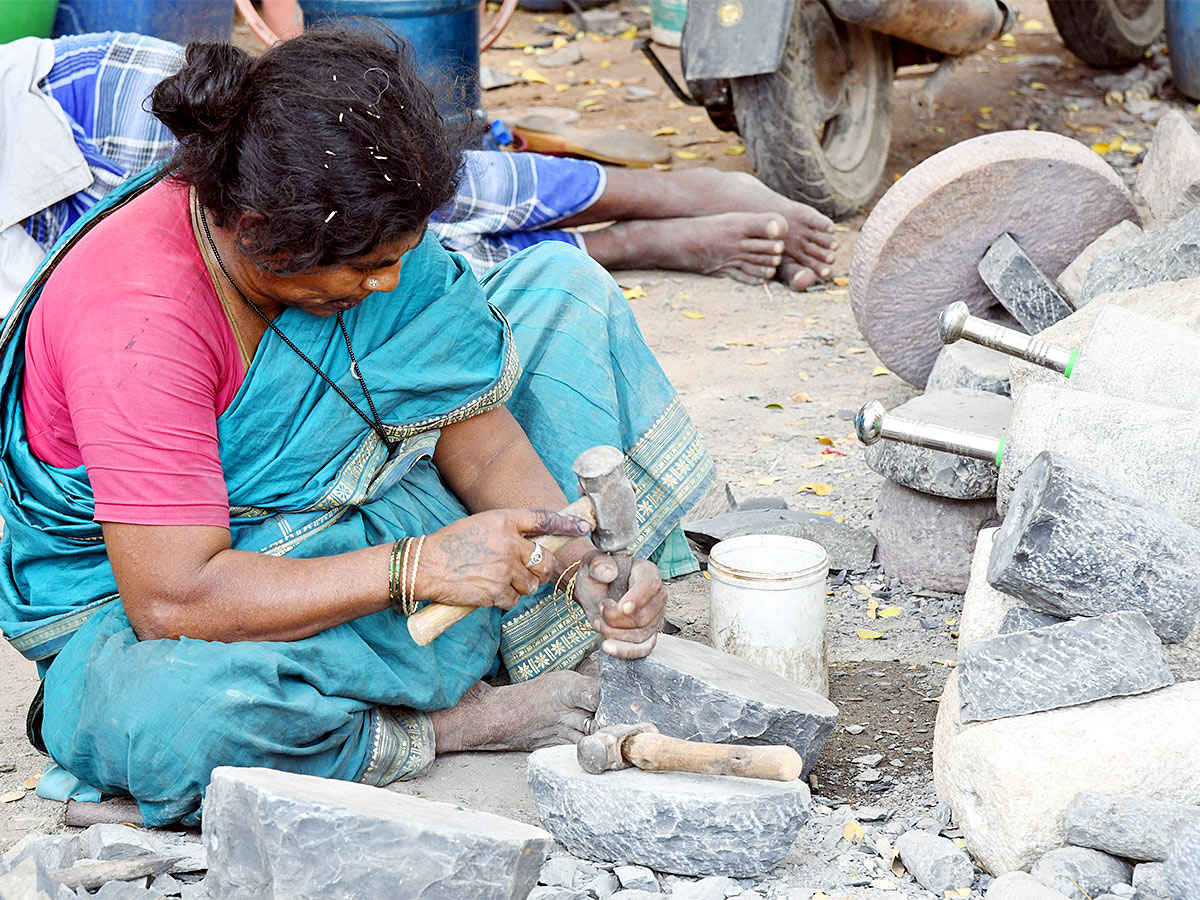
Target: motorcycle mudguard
(734,38)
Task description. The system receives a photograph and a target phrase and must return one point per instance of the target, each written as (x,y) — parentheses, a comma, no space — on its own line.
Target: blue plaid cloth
(102,82)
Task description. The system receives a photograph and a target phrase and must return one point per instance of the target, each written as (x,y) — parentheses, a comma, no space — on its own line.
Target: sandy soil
(734,351)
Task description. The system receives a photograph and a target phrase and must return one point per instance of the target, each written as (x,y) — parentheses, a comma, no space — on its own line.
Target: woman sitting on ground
(254,414)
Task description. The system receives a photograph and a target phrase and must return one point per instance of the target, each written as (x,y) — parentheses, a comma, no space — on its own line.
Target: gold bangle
(410,595)
(558,580)
(395,572)
(570,592)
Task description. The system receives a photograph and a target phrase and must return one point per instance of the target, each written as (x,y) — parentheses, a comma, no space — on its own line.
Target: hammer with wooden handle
(622,746)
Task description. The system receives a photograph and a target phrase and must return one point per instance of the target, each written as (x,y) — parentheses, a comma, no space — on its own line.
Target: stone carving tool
(606,500)
(641,745)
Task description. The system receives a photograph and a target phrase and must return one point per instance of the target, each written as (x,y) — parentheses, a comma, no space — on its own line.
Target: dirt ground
(765,373)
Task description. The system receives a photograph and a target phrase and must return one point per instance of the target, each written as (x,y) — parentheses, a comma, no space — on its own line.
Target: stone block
(108,841)
(848,548)
(1168,253)
(918,249)
(28,881)
(1181,869)
(967,366)
(637,878)
(59,851)
(691,691)
(984,608)
(1079,872)
(1021,287)
(1019,886)
(1122,825)
(1021,619)
(927,540)
(1113,655)
(260,827)
(1071,279)
(935,862)
(1076,543)
(935,471)
(1169,177)
(1010,781)
(669,821)
(1082,426)
(1150,881)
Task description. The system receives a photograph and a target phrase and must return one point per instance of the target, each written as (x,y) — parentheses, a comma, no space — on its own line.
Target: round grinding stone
(919,248)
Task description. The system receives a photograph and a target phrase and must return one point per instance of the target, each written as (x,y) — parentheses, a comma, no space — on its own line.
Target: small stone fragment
(1079,872)
(542,892)
(107,841)
(29,881)
(1019,618)
(1076,662)
(1072,278)
(1168,253)
(568,56)
(936,471)
(260,825)
(714,887)
(1136,828)
(125,890)
(969,366)
(1181,870)
(692,691)
(669,821)
(167,885)
(58,851)
(1150,881)
(565,871)
(936,863)
(1021,287)
(1019,886)
(637,878)
(1168,178)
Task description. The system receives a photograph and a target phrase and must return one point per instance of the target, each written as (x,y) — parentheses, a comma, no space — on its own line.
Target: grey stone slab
(1021,287)
(969,366)
(669,821)
(935,862)
(935,471)
(29,881)
(1137,828)
(1020,618)
(167,885)
(1071,279)
(1074,543)
(1181,869)
(1080,873)
(107,841)
(1168,253)
(1150,881)
(1114,655)
(691,691)
(261,827)
(848,548)
(927,540)
(1169,177)
(59,851)
(125,890)
(637,878)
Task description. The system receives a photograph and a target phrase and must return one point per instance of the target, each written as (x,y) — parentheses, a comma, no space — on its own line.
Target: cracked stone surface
(670,821)
(1071,279)
(692,691)
(1132,827)
(1021,619)
(1170,252)
(1021,287)
(936,863)
(1113,655)
(1181,870)
(968,366)
(936,471)
(1074,543)
(261,827)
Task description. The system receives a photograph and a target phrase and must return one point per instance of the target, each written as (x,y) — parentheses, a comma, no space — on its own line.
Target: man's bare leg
(554,708)
(656,202)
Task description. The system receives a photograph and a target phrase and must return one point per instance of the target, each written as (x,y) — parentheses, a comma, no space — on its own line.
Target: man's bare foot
(748,247)
(554,708)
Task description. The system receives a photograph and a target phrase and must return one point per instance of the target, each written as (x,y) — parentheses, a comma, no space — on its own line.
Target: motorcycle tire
(1108,33)
(818,128)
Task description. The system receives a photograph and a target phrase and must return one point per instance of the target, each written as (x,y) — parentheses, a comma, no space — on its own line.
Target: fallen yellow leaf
(663,132)
(872,607)
(801,397)
(821,490)
(692,315)
(1008,40)
(562,87)
(535,76)
(735,151)
(890,611)
(880,370)
(862,589)
(803,376)
(1037,85)
(773,406)
(590,101)
(771,479)
(960,843)
(560,42)
(1132,149)
(1012,59)
(605,63)
(841,281)
(853,832)
(1033,25)
(856,350)
(987,126)
(687,154)
(827,441)
(675,104)
(31,782)
(868,635)
(834,292)
(706,575)
(10,796)
(1102,149)
(629,33)
(756,362)
(634,292)
(597,92)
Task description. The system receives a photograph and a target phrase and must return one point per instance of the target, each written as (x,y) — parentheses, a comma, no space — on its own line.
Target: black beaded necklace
(373,421)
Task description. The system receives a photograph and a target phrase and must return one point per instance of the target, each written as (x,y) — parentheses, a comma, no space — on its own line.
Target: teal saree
(548,333)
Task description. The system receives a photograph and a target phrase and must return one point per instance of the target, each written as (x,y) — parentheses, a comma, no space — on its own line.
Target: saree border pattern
(402,745)
(553,635)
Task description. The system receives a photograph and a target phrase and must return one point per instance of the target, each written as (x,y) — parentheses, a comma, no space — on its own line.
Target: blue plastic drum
(1183,45)
(172,20)
(444,35)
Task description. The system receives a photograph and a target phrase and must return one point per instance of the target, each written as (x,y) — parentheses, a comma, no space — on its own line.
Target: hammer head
(601,752)
(602,477)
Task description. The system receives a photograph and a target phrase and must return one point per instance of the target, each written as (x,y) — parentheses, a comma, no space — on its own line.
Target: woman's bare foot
(748,247)
(554,708)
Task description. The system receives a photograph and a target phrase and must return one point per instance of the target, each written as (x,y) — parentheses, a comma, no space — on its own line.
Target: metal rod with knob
(874,422)
(956,322)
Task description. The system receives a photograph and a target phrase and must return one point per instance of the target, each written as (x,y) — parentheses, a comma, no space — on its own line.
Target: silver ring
(373,283)
(535,558)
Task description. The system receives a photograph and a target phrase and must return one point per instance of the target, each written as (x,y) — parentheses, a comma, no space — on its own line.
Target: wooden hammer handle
(430,621)
(661,753)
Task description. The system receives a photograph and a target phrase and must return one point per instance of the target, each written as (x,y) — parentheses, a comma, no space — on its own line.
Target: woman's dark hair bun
(203,98)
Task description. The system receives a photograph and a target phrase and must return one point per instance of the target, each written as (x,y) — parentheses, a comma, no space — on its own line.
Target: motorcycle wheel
(1108,33)
(818,128)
